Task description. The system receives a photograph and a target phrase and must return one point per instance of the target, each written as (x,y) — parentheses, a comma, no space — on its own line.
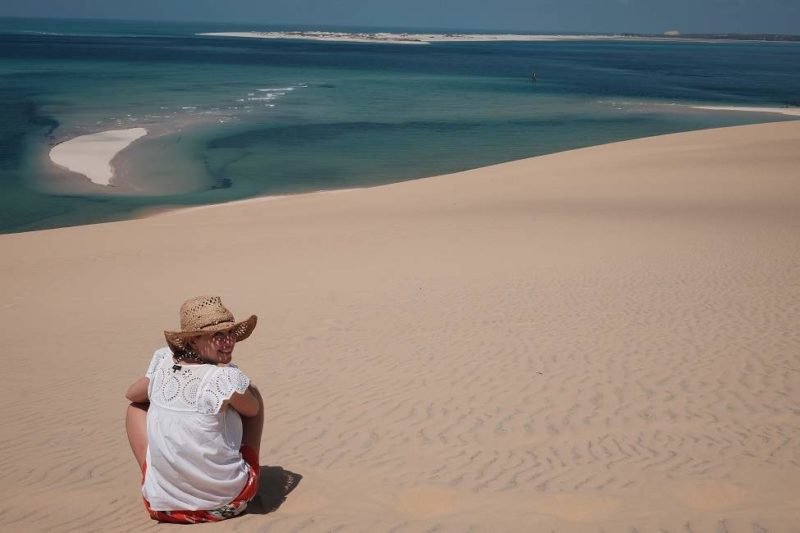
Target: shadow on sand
(276,484)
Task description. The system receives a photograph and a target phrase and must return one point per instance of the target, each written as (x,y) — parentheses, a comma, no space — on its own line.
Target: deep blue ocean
(235,118)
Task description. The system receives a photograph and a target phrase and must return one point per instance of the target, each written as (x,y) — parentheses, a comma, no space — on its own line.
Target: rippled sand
(606,339)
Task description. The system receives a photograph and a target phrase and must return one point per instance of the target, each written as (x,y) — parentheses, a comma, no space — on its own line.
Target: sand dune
(599,340)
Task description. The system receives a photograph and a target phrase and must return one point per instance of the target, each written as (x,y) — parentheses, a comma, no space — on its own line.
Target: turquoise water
(234,118)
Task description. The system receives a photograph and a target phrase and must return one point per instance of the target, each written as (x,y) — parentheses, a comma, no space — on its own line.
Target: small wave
(78,33)
(34,32)
(73,34)
(269,94)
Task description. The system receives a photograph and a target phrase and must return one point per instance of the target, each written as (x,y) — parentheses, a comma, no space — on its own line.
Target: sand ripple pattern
(448,355)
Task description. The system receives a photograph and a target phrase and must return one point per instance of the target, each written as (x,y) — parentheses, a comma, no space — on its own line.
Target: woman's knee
(252,427)
(254,390)
(256,393)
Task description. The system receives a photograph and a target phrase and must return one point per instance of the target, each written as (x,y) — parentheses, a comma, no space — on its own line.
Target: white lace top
(193,458)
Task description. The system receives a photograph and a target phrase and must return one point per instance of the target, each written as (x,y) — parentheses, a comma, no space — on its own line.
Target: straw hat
(206,314)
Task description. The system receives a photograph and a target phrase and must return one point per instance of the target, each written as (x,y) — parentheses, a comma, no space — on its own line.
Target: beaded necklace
(186,357)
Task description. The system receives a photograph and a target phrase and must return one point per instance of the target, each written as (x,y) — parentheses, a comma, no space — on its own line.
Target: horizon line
(426,28)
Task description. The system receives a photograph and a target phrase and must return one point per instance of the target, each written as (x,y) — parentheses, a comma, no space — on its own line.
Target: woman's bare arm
(137,393)
(245,404)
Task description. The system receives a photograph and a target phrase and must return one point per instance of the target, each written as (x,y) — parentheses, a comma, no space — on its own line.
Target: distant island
(428,38)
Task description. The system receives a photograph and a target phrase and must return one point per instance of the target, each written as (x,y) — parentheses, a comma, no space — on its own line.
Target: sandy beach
(91,155)
(791,111)
(606,339)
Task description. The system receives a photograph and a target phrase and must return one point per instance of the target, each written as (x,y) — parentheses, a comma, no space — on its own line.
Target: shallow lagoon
(235,118)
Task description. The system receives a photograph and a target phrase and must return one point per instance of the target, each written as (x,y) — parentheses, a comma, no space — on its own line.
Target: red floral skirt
(235,508)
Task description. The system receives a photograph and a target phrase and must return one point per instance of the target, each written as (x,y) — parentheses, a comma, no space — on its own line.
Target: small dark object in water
(533,77)
(223,183)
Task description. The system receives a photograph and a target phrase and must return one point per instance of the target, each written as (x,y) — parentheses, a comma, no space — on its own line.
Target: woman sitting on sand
(195,421)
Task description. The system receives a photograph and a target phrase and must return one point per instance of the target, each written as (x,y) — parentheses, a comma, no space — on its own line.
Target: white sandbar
(91,155)
(415,38)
